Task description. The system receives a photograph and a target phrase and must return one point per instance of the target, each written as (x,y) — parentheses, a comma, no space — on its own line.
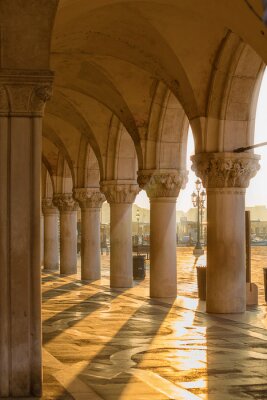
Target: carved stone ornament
(48,207)
(89,197)
(225,170)
(160,183)
(119,191)
(24,93)
(65,202)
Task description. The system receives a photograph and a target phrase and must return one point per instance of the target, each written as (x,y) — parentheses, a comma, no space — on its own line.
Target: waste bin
(139,271)
(265,283)
(201,281)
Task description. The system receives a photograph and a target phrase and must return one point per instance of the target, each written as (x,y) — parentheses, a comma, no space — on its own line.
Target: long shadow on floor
(108,370)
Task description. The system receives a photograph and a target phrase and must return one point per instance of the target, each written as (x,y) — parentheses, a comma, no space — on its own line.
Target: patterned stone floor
(113,344)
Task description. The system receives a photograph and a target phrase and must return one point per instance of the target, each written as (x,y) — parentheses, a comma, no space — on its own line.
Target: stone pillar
(22,99)
(42,240)
(68,232)
(120,195)
(162,188)
(51,245)
(90,201)
(225,177)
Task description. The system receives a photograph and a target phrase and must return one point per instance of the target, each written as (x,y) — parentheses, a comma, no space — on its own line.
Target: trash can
(201,281)
(265,283)
(139,271)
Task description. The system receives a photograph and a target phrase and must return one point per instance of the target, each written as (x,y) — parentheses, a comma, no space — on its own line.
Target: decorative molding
(24,93)
(65,202)
(48,207)
(162,183)
(225,170)
(89,197)
(119,191)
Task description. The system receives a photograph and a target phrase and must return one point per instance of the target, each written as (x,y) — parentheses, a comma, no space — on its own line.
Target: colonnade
(225,176)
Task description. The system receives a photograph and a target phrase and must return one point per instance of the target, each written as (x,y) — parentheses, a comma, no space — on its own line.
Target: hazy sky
(257,191)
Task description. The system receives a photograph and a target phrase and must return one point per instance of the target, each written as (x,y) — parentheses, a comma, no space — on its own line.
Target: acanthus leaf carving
(24,93)
(161,183)
(48,206)
(120,191)
(89,197)
(225,170)
(65,202)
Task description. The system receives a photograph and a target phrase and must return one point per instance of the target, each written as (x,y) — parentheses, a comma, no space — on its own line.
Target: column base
(54,269)
(252,294)
(123,283)
(198,252)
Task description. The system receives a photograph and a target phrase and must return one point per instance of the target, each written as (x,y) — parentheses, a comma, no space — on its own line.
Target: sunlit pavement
(113,344)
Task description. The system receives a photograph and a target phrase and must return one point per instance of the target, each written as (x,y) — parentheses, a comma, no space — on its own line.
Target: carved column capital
(225,170)
(48,207)
(65,202)
(24,93)
(162,183)
(119,191)
(89,197)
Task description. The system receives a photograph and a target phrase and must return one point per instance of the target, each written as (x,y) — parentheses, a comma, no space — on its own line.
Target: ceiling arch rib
(132,38)
(234,88)
(46,167)
(89,79)
(60,107)
(52,136)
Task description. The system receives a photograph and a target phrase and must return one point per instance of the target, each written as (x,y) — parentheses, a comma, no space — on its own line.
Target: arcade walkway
(113,344)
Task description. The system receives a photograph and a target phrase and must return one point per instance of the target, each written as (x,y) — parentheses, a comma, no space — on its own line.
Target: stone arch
(47,181)
(88,174)
(121,160)
(166,140)
(233,94)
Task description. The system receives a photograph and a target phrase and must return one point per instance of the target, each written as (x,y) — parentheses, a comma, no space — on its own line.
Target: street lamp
(198,200)
(137,218)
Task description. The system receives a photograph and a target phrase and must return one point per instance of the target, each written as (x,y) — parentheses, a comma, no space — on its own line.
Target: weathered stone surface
(162,183)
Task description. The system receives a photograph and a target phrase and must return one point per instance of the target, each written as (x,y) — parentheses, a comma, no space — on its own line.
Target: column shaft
(226,177)
(51,245)
(20,297)
(163,272)
(226,273)
(121,261)
(90,244)
(68,242)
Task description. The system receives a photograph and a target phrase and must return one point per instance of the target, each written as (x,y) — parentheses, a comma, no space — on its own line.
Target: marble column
(51,245)
(120,195)
(225,177)
(162,187)
(68,232)
(90,201)
(22,99)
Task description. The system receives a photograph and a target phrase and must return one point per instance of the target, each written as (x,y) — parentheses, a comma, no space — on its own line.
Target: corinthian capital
(65,202)
(162,183)
(89,197)
(24,93)
(119,191)
(225,170)
(48,207)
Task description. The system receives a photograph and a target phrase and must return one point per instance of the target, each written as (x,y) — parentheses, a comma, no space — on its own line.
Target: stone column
(22,99)
(225,177)
(42,240)
(68,232)
(90,201)
(120,195)
(162,188)
(51,245)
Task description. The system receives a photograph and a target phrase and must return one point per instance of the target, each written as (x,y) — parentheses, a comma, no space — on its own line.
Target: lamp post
(137,218)
(198,200)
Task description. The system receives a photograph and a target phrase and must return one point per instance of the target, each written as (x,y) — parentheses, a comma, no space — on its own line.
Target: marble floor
(108,344)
